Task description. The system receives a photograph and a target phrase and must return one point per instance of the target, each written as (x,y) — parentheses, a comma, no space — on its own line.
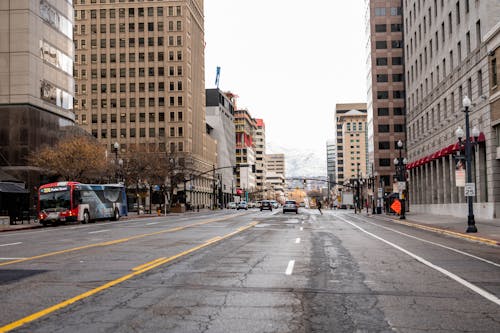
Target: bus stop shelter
(14,202)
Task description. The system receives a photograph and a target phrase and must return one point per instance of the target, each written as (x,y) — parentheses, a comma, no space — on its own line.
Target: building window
(398,94)
(380,27)
(396,11)
(384,145)
(396,27)
(494,72)
(381,61)
(382,78)
(399,128)
(384,162)
(383,128)
(379,11)
(382,94)
(383,111)
(398,111)
(381,44)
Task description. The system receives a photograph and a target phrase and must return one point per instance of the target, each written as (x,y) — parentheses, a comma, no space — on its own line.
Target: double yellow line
(135,272)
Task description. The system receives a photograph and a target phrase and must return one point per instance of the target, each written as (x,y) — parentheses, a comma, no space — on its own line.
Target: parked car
(232,205)
(290,206)
(266,204)
(242,205)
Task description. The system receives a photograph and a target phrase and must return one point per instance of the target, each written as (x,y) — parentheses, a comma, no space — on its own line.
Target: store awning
(443,152)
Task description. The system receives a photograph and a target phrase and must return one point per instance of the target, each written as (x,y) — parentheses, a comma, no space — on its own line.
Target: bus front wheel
(116,215)
(86,217)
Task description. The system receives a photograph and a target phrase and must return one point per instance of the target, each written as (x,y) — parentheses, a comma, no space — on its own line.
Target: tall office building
(260,158)
(276,163)
(450,52)
(275,177)
(245,127)
(331,157)
(386,88)
(220,116)
(351,141)
(331,161)
(36,80)
(139,70)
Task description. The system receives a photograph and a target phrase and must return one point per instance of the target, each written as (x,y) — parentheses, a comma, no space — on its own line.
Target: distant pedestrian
(319,207)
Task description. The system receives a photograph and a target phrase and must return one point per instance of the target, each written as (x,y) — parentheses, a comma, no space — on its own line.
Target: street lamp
(116,146)
(470,186)
(400,164)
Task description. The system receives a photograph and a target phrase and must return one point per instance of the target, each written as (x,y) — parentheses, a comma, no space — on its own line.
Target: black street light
(400,164)
(116,147)
(470,186)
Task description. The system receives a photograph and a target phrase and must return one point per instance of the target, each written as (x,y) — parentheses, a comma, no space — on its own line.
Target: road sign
(470,189)
(401,186)
(396,206)
(380,192)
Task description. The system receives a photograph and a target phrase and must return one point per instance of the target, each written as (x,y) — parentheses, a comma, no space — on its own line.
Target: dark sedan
(290,206)
(266,204)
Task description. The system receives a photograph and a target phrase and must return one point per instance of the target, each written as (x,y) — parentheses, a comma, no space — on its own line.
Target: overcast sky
(289,62)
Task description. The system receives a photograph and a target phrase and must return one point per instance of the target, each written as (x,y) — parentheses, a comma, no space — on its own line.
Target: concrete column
(446,180)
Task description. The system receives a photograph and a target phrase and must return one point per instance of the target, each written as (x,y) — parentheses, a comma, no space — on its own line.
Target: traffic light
(235,170)
(253,168)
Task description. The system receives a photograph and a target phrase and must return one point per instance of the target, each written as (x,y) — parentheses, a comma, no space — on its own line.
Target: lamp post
(400,164)
(116,146)
(469,186)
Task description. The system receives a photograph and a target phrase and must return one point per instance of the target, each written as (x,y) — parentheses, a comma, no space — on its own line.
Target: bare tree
(78,158)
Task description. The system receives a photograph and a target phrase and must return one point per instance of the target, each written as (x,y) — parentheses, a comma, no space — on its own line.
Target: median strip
(140,270)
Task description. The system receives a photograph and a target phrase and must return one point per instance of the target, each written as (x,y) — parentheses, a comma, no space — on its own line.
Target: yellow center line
(113,242)
(146,267)
(138,268)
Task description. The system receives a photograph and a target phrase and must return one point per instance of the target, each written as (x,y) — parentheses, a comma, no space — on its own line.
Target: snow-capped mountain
(300,162)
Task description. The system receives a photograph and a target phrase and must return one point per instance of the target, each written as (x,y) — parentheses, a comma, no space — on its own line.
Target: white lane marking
(297,240)
(11,258)
(152,223)
(301,228)
(98,231)
(437,244)
(11,244)
(289,268)
(449,274)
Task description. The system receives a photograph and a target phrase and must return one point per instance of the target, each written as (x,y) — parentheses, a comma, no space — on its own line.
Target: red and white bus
(63,202)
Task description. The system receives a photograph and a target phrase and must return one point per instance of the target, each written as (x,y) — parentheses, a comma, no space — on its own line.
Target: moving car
(266,204)
(290,206)
(242,205)
(232,205)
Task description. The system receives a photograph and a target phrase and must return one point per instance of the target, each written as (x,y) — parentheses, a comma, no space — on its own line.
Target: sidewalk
(488,231)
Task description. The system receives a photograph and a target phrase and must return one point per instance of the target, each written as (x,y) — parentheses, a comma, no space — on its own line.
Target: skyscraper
(139,70)
(36,80)
(386,87)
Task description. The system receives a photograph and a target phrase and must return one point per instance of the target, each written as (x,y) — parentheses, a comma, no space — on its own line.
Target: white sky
(289,62)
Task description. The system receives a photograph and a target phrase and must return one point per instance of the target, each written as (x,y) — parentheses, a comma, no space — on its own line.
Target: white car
(232,205)
(242,205)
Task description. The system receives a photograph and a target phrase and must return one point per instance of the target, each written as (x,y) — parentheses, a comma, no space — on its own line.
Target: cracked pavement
(342,280)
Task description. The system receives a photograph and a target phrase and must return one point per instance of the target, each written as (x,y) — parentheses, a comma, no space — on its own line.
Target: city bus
(75,202)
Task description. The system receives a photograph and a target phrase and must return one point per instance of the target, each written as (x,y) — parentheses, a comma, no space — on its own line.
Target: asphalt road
(249,271)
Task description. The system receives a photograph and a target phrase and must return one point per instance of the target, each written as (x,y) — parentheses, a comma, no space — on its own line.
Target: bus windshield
(55,201)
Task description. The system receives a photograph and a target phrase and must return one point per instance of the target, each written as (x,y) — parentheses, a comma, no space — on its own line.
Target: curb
(447,232)
(24,228)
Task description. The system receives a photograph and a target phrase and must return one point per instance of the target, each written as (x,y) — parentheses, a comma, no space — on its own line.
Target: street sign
(396,206)
(470,189)
(380,192)
(401,186)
